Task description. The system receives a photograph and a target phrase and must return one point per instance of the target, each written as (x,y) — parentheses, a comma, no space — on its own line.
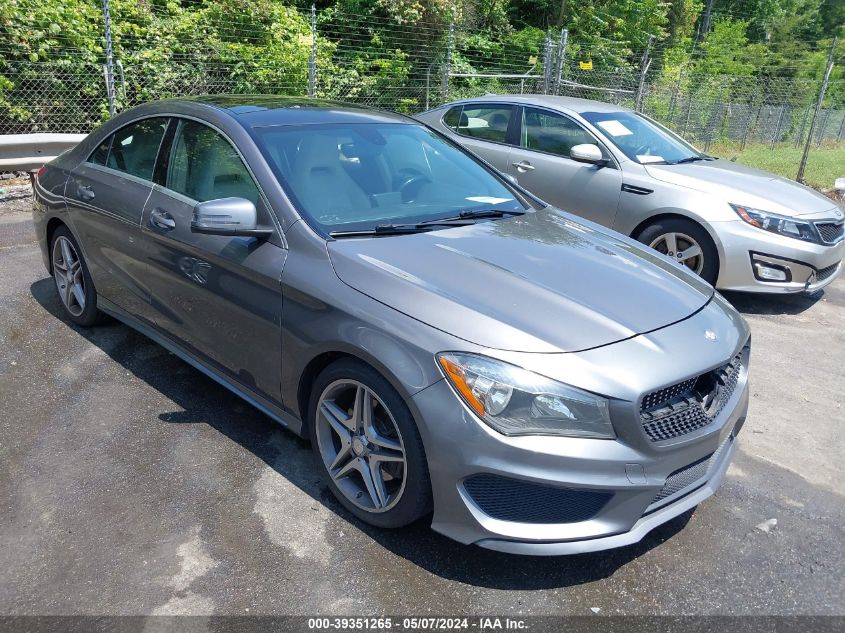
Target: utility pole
(704,27)
(822,91)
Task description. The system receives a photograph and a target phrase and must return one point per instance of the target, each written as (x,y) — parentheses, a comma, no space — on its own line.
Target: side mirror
(510,178)
(227,216)
(587,153)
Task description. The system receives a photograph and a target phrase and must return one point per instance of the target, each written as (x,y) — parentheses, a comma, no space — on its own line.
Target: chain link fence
(66,71)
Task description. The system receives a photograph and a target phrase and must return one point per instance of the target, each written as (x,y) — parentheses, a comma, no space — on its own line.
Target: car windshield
(642,140)
(356,176)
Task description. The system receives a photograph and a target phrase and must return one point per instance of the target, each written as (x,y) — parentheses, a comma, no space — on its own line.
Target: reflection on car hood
(534,283)
(739,184)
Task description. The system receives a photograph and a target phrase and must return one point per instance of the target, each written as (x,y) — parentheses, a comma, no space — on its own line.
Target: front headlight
(774,223)
(515,401)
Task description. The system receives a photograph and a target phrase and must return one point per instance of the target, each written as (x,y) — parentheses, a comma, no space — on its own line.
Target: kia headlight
(774,223)
(515,401)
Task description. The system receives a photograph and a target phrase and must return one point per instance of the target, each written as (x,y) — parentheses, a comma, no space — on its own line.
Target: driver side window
(545,131)
(204,166)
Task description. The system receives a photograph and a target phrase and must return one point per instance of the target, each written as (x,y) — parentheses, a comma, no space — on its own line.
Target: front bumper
(808,267)
(630,471)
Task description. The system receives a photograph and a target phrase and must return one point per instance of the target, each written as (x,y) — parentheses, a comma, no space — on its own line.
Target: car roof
(268,110)
(572,104)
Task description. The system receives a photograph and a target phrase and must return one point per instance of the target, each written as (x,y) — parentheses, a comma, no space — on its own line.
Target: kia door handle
(85,192)
(161,219)
(524,165)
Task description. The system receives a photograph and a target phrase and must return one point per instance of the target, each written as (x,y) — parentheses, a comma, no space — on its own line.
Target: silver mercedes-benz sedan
(452,347)
(737,227)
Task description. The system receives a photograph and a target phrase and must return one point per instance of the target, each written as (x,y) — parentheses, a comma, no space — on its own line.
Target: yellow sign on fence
(586,65)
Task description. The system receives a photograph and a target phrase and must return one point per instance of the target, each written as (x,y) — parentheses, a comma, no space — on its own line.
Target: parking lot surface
(132,484)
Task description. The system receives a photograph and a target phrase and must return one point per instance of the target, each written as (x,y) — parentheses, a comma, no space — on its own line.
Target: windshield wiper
(475,214)
(397,229)
(691,159)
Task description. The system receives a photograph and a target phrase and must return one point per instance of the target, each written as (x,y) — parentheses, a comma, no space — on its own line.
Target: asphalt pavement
(132,484)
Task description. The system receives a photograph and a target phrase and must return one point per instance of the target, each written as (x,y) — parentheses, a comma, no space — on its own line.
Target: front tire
(73,281)
(367,445)
(686,242)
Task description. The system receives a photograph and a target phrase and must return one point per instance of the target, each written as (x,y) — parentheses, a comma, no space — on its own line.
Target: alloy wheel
(68,275)
(360,445)
(682,248)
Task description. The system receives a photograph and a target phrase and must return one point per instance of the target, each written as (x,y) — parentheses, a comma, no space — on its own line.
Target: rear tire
(672,236)
(74,285)
(367,445)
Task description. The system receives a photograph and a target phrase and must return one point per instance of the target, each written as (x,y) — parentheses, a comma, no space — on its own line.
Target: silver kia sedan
(737,227)
(451,346)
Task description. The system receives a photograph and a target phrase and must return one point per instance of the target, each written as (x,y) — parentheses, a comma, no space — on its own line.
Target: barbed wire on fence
(58,80)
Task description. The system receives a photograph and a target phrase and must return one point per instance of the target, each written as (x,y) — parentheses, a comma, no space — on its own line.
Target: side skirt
(262,404)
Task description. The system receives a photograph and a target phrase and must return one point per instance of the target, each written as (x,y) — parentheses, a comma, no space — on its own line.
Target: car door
(485,129)
(217,296)
(542,165)
(106,195)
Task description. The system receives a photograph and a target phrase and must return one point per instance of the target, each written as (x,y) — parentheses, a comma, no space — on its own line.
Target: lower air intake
(519,501)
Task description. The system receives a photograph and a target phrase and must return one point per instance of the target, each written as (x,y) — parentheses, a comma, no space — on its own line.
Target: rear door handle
(524,165)
(85,192)
(161,219)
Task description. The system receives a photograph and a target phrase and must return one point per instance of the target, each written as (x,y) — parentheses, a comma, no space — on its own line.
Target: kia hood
(743,185)
(534,283)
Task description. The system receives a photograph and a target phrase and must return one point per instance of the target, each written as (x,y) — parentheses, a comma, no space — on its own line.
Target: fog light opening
(771,272)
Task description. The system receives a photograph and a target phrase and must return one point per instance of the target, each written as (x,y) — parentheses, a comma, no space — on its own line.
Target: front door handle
(161,219)
(523,166)
(85,192)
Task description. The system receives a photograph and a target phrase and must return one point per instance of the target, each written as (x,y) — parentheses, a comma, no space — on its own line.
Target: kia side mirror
(587,153)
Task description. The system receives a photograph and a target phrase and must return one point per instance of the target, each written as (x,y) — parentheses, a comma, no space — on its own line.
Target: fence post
(561,55)
(638,103)
(547,64)
(841,134)
(820,135)
(448,63)
(805,155)
(312,58)
(108,69)
(776,135)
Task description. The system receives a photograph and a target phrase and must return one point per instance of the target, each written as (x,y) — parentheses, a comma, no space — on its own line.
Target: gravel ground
(132,484)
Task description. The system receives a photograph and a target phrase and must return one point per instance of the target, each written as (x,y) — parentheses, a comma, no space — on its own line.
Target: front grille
(688,475)
(824,273)
(830,231)
(525,502)
(689,405)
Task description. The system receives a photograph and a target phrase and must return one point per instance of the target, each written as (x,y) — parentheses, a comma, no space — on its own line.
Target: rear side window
(552,133)
(452,118)
(101,154)
(132,149)
(487,122)
(204,166)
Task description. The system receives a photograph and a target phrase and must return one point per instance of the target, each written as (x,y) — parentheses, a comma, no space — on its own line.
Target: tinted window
(452,117)
(552,133)
(134,147)
(205,166)
(489,122)
(101,154)
(355,176)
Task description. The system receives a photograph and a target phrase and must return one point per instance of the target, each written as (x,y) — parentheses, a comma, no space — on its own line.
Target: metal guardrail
(25,152)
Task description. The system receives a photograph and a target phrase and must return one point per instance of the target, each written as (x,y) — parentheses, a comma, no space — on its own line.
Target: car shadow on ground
(203,401)
(774,304)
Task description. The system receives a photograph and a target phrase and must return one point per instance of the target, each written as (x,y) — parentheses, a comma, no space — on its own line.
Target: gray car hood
(536,283)
(739,184)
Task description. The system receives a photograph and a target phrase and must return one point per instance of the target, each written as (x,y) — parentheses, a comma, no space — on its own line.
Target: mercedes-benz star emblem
(710,335)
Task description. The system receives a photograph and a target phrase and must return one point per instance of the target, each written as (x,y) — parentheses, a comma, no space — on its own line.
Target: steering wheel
(411,186)
(643,150)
